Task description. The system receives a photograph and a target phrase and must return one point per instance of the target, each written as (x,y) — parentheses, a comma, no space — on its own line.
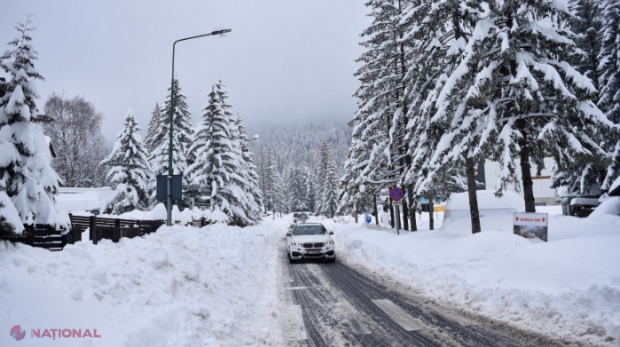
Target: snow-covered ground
(180,286)
(218,286)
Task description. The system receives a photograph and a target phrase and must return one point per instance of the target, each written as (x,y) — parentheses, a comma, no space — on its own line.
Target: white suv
(310,241)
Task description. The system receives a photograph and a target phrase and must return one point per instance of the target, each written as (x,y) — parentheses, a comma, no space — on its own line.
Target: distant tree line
(299,166)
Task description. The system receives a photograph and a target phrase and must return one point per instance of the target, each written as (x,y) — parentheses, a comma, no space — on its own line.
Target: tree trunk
(431,215)
(391,214)
(374,199)
(405,215)
(411,208)
(526,173)
(473,198)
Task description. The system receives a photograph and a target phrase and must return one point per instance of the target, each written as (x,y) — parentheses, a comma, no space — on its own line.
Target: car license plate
(314,252)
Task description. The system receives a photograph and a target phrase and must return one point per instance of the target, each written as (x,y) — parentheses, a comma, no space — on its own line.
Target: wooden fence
(113,228)
(43,236)
(100,228)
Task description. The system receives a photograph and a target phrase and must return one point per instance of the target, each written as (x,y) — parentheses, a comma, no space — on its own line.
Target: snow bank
(609,206)
(81,199)
(568,288)
(495,213)
(180,286)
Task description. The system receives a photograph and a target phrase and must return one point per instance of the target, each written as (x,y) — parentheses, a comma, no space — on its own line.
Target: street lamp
(170,171)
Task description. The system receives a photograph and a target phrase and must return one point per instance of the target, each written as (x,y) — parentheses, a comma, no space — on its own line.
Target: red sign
(396,193)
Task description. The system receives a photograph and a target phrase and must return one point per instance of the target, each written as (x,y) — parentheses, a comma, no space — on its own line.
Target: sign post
(368,219)
(397,194)
(531,225)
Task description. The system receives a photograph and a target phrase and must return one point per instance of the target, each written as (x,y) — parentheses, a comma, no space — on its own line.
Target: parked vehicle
(300,216)
(579,207)
(310,241)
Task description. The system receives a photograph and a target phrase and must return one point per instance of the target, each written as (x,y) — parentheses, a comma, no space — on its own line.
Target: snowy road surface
(335,305)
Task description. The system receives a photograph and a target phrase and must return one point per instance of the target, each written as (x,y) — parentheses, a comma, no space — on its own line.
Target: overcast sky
(289,60)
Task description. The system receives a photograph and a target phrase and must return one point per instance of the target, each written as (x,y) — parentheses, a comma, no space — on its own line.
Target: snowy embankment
(568,288)
(180,286)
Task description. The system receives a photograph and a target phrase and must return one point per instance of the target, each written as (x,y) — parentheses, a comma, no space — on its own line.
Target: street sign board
(368,219)
(531,225)
(396,194)
(175,189)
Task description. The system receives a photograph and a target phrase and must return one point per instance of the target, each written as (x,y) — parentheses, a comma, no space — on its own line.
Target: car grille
(313,245)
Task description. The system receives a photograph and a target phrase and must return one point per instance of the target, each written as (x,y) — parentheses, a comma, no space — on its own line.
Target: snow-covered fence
(113,228)
(199,223)
(42,236)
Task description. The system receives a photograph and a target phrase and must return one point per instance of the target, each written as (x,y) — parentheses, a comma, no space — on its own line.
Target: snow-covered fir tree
(181,140)
(329,191)
(130,170)
(609,83)
(154,135)
(219,171)
(439,32)
(522,96)
(26,174)
(327,184)
(251,183)
(296,189)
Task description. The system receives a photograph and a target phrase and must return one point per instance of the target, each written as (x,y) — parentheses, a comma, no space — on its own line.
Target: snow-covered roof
(584,201)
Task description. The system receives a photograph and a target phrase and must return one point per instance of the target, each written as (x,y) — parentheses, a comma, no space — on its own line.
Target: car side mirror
(288,234)
(331,233)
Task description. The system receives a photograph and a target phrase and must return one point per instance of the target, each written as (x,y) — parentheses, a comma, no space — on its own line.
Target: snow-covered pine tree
(382,102)
(296,192)
(278,192)
(251,184)
(438,33)
(154,135)
(219,170)
(329,194)
(585,172)
(197,173)
(181,140)
(311,191)
(379,95)
(130,170)
(327,182)
(26,174)
(320,171)
(523,97)
(609,82)
(268,181)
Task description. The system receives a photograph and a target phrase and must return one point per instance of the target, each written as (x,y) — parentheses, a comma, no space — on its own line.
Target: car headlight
(295,243)
(329,243)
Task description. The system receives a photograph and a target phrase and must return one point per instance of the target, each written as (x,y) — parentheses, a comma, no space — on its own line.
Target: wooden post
(92,225)
(391,214)
(376,212)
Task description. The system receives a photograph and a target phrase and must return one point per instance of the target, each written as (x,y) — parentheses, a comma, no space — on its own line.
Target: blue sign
(368,219)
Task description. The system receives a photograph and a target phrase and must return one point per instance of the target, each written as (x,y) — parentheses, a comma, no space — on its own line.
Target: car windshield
(309,230)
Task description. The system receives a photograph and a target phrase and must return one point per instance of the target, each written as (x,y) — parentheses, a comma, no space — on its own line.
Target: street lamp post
(170,171)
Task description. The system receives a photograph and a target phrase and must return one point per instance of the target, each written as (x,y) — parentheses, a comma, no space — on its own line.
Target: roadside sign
(368,219)
(531,225)
(396,194)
